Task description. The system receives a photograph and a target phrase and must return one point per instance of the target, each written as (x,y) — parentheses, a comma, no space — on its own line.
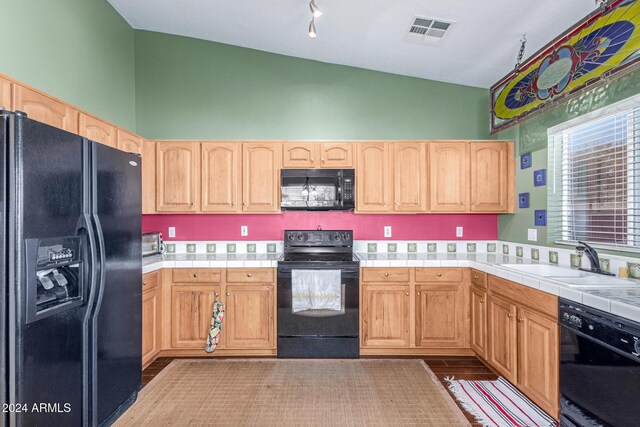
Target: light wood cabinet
(97,130)
(249,316)
(503,342)
(300,155)
(191,310)
(373,187)
(440,315)
(409,174)
(148,177)
(385,315)
(336,155)
(45,109)
(448,173)
(151,317)
(538,359)
(178,176)
(129,142)
(492,177)
(261,177)
(479,321)
(5,94)
(221,177)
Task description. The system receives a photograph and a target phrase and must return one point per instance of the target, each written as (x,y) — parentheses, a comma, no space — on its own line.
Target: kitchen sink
(596,281)
(545,270)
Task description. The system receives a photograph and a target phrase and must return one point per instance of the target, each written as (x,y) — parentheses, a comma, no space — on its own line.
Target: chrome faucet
(594,259)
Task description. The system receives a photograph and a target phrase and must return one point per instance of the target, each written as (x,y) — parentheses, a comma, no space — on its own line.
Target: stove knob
(292,236)
(300,237)
(345,236)
(337,236)
(636,345)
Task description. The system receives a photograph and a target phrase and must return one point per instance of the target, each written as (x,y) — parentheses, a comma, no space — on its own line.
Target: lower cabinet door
(150,326)
(249,317)
(439,315)
(385,315)
(479,321)
(503,336)
(191,310)
(538,359)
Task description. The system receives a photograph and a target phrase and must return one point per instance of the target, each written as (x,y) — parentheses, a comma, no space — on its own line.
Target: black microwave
(317,189)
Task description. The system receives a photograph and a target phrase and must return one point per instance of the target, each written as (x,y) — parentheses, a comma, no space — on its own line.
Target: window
(594,166)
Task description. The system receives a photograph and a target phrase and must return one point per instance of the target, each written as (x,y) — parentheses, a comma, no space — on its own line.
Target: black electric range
(319,333)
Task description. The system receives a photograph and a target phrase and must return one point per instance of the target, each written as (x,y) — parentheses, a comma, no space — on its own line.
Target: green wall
(194,89)
(80,51)
(534,132)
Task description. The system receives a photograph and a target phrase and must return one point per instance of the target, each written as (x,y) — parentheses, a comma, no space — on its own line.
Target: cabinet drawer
(250,275)
(479,278)
(150,281)
(385,274)
(435,274)
(196,275)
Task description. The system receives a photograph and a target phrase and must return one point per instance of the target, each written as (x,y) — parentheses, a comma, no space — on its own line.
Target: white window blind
(594,188)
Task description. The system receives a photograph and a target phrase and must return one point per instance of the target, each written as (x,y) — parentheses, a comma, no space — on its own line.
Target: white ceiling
(481,47)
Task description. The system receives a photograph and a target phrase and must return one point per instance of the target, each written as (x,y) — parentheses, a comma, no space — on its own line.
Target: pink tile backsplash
(365,227)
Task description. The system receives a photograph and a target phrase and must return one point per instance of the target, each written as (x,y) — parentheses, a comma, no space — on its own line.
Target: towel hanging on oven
(216,325)
(316,290)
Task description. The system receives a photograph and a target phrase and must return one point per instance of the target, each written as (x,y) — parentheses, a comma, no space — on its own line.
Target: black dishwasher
(599,367)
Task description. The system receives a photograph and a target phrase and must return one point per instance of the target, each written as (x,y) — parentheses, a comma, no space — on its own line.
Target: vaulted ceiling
(480,47)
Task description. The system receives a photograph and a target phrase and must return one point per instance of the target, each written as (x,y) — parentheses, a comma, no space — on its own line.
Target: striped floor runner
(498,403)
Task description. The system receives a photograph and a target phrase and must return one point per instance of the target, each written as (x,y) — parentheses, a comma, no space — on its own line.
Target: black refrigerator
(71,274)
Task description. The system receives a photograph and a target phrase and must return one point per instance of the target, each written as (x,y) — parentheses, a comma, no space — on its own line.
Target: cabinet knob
(407,293)
(248,274)
(233,203)
(482,301)
(228,294)
(195,274)
(144,283)
(386,274)
(509,315)
(322,159)
(520,319)
(476,277)
(439,275)
(418,293)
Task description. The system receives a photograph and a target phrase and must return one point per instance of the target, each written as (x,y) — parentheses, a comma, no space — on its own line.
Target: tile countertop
(623,301)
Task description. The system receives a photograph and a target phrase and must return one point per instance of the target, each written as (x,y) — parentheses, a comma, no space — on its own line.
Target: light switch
(172,232)
(244,230)
(387,231)
(459,231)
(532,234)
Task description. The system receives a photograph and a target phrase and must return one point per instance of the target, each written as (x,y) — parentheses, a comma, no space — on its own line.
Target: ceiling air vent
(427,31)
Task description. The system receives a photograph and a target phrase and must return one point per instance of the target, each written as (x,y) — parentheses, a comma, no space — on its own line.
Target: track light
(315,10)
(312,29)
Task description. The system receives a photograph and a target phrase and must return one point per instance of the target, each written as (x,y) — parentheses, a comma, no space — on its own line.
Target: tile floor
(461,367)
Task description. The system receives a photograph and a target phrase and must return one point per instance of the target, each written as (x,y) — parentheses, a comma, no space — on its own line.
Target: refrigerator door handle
(94,317)
(85,227)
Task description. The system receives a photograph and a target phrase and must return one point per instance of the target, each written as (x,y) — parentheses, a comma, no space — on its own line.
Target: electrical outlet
(244,230)
(172,232)
(387,231)
(532,234)
(459,231)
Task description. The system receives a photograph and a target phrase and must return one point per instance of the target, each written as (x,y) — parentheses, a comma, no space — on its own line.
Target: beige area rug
(272,392)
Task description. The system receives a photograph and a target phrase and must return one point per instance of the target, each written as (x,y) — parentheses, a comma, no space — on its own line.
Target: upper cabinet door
(449,171)
(97,130)
(337,155)
(372,177)
(409,177)
(221,165)
(261,176)
(129,142)
(5,94)
(300,155)
(491,177)
(178,175)
(44,109)
(148,177)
